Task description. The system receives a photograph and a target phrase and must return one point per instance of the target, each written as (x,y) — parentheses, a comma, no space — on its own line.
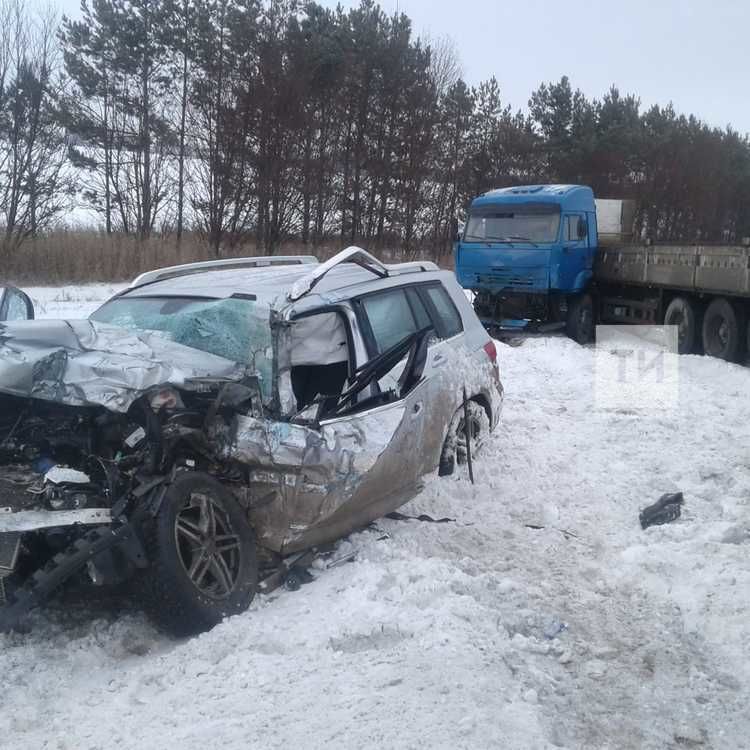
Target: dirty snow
(585,633)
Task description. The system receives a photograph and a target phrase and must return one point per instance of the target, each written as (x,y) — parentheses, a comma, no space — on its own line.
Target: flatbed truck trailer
(550,257)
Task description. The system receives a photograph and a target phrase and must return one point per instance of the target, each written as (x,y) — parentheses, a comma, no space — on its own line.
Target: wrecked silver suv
(213,423)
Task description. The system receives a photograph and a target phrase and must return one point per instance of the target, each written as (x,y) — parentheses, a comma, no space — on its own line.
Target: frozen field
(543,617)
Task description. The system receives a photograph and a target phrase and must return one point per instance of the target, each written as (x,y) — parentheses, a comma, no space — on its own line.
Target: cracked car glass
(236,329)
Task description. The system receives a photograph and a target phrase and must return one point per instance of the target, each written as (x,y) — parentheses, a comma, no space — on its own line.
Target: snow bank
(487,632)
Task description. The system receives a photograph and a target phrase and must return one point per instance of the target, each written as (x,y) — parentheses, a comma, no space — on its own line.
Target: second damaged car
(215,421)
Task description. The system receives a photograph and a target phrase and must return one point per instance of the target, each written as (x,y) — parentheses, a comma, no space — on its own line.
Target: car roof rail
(414,266)
(351,254)
(171,272)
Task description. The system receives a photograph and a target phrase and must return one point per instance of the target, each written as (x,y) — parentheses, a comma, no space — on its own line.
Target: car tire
(682,313)
(453,452)
(201,550)
(579,323)
(724,330)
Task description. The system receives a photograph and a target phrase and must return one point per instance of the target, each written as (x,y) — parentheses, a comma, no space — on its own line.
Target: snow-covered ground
(484,633)
(69,301)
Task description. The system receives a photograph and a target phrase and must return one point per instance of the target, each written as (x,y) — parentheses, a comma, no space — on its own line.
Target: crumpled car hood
(86,363)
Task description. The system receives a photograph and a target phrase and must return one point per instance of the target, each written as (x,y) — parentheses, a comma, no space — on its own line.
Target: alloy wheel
(207,546)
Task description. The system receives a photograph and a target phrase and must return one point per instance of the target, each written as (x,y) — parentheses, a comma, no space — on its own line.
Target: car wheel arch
(447,460)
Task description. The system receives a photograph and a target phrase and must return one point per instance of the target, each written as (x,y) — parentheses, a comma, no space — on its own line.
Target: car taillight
(491,351)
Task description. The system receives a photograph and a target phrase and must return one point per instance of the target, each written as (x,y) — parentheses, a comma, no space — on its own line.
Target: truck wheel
(579,324)
(723,330)
(202,554)
(681,313)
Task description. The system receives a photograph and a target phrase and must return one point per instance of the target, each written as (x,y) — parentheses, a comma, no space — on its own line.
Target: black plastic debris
(667,508)
(396,516)
(296,577)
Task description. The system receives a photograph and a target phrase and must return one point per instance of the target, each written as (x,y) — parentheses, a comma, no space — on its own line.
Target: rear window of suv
(395,313)
(390,317)
(445,310)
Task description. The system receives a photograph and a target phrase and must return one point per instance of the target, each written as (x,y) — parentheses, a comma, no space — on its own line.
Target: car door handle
(416,409)
(439,359)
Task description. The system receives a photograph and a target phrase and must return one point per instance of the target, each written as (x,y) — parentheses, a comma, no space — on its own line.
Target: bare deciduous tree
(34,185)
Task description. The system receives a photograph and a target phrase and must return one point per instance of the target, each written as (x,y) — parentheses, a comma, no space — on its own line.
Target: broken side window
(319,358)
(410,354)
(389,317)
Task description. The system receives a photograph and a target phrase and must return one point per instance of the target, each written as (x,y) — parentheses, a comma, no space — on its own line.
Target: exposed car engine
(91,467)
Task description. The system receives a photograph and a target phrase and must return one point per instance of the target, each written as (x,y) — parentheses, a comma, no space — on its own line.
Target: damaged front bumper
(34,520)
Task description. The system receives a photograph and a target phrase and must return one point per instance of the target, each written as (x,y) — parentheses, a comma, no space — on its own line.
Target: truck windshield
(236,329)
(503,225)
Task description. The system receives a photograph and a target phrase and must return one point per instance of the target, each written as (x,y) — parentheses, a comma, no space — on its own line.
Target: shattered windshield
(236,329)
(507,224)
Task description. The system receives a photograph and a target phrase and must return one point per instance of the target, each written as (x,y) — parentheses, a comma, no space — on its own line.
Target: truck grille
(506,279)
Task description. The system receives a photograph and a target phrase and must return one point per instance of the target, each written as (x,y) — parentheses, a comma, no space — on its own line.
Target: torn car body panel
(85,363)
(32,520)
(308,480)
(350,254)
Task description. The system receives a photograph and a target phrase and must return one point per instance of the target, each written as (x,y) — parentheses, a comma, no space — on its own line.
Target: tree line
(262,121)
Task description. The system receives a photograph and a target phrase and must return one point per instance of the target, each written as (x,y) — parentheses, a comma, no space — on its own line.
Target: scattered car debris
(396,516)
(565,532)
(293,572)
(554,628)
(296,578)
(341,559)
(666,509)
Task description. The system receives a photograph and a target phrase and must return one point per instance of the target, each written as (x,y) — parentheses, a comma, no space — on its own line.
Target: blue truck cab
(528,254)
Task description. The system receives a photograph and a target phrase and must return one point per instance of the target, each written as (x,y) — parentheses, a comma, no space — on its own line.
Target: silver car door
(447,369)
(313,481)
(329,479)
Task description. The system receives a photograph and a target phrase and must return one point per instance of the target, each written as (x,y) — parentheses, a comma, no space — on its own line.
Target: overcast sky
(694,53)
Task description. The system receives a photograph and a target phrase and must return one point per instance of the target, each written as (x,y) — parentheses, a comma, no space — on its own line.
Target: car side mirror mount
(15,304)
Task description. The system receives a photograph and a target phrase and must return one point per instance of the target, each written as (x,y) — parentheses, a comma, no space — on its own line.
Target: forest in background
(195,128)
